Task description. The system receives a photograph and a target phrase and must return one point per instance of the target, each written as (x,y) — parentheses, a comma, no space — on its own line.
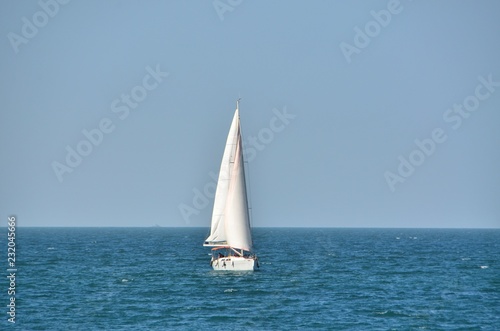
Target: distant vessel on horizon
(230,232)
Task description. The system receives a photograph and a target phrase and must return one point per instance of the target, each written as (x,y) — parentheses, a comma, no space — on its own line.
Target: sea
(309,279)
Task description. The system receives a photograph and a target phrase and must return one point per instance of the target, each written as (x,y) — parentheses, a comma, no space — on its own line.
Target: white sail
(217,235)
(238,233)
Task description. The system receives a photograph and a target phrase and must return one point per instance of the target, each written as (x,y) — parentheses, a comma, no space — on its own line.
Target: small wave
(397,238)
(484,267)
(192,308)
(229,290)
(390,313)
(50,248)
(125,280)
(448,295)
(466,259)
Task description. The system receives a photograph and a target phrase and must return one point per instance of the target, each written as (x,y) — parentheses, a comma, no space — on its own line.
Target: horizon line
(256,227)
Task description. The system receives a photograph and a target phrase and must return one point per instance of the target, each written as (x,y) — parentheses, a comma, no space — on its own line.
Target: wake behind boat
(230,233)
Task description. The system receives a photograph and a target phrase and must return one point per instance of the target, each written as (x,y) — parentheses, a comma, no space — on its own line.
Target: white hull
(235,263)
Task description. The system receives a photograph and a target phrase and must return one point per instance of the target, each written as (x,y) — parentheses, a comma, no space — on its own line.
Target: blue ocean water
(309,279)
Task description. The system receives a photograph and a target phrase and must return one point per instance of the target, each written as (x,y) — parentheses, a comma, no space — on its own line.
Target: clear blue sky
(354,84)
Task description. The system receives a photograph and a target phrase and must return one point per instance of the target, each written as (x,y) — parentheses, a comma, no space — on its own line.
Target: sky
(354,113)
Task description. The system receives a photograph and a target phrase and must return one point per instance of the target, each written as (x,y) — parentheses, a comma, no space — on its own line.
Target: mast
(244,176)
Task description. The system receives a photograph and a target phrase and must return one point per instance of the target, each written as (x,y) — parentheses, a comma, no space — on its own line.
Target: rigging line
(249,195)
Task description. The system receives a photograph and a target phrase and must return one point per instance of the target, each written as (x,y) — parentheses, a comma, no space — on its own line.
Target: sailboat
(230,233)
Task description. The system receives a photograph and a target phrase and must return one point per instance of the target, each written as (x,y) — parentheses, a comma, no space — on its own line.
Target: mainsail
(230,219)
